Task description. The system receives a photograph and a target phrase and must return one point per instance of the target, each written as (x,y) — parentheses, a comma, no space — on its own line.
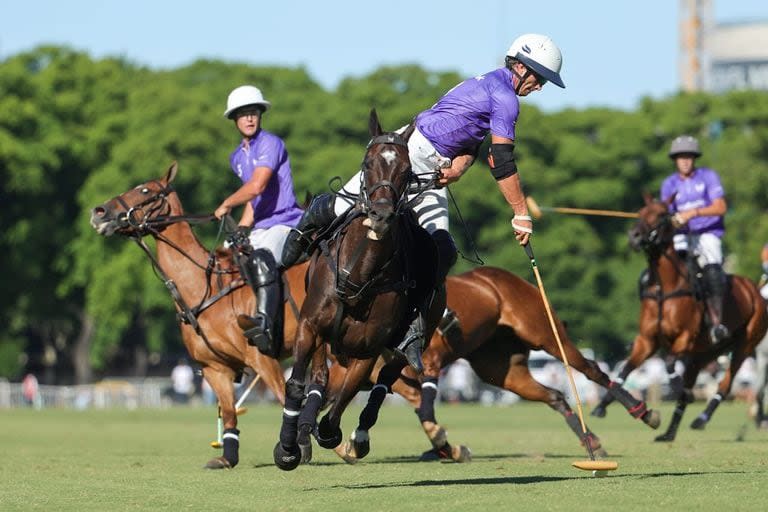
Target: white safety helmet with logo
(684,145)
(242,97)
(540,54)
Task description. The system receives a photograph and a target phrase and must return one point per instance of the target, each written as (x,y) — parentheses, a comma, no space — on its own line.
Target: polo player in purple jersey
(271,211)
(446,140)
(698,206)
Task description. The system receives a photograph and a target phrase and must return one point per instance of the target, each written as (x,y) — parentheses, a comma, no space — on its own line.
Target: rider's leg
(710,257)
(262,275)
(320,214)
(432,214)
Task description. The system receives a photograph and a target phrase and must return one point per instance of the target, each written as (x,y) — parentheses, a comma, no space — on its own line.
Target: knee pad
(263,261)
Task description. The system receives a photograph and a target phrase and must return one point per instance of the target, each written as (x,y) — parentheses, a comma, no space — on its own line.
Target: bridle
(364,199)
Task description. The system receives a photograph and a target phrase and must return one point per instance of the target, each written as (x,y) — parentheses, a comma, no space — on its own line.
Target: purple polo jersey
(277,204)
(462,118)
(697,191)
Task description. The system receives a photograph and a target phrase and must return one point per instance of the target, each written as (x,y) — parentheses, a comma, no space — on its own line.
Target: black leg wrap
(426,411)
(370,413)
(308,416)
(231,441)
(294,394)
(636,408)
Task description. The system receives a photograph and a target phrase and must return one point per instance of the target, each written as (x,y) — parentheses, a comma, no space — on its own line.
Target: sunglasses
(539,79)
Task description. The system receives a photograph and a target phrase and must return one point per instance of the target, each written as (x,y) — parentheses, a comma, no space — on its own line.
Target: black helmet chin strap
(521,78)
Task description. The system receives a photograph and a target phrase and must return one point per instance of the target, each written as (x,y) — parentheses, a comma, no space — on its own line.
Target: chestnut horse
(362,287)
(673,319)
(208,291)
(499,319)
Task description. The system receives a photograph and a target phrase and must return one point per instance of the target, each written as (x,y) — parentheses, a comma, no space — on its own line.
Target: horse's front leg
(329,433)
(318,383)
(287,454)
(685,397)
(221,381)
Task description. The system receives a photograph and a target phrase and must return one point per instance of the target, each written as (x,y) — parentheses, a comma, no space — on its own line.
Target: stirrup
(410,349)
(257,332)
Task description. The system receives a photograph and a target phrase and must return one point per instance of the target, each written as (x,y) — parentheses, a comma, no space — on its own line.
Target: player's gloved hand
(239,238)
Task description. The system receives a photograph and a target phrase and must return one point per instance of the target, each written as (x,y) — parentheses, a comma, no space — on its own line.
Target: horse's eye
(145,190)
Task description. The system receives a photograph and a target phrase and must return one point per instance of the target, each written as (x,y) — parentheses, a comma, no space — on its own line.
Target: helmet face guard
(540,70)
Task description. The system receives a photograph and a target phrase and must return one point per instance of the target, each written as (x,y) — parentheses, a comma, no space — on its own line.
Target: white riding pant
(272,239)
(432,206)
(761,356)
(707,248)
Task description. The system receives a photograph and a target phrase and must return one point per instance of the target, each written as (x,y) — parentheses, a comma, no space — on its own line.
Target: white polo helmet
(684,145)
(540,54)
(243,96)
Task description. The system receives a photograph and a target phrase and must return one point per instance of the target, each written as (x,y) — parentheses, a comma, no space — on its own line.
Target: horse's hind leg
(510,371)
(684,398)
(724,387)
(221,380)
(358,445)
(328,433)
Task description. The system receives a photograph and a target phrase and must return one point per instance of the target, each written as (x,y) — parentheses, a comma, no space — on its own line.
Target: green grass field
(152,460)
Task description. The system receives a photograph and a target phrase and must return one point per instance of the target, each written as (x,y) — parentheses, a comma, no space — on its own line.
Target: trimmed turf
(152,460)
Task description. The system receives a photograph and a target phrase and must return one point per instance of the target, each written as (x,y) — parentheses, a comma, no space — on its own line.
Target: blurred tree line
(75,132)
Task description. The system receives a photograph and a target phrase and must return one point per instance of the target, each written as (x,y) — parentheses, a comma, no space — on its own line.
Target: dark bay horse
(360,294)
(671,318)
(208,292)
(500,318)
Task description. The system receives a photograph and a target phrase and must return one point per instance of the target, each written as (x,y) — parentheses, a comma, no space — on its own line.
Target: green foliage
(75,131)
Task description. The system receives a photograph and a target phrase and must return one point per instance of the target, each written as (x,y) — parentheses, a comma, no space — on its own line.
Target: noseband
(150,208)
(652,241)
(366,193)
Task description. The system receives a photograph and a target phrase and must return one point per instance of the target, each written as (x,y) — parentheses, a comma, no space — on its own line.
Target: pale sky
(614,52)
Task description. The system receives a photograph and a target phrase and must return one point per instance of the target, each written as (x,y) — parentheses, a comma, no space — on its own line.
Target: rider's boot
(715,284)
(263,329)
(320,214)
(415,339)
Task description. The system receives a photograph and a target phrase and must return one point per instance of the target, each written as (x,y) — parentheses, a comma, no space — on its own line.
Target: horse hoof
(326,437)
(346,452)
(598,412)
(306,452)
(461,453)
(435,454)
(286,459)
(218,463)
(652,418)
(699,423)
(665,438)
(360,443)
(599,452)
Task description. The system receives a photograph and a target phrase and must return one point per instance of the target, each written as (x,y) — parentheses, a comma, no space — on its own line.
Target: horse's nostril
(99,211)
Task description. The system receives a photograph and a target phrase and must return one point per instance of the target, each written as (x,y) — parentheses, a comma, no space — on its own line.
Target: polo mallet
(598,467)
(537,211)
(238,410)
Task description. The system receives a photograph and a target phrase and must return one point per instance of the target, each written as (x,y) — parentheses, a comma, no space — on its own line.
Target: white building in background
(737,57)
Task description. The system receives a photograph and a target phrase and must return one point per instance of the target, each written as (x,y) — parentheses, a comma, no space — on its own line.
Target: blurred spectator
(459,384)
(30,390)
(183,382)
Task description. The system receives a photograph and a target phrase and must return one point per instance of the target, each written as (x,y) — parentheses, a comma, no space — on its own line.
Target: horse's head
(131,212)
(386,171)
(654,229)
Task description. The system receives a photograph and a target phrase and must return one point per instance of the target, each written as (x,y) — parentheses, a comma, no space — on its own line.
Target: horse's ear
(671,199)
(172,171)
(374,128)
(409,131)
(647,197)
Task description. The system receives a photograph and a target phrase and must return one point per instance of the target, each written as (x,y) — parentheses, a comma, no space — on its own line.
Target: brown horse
(672,318)
(362,288)
(500,318)
(208,291)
